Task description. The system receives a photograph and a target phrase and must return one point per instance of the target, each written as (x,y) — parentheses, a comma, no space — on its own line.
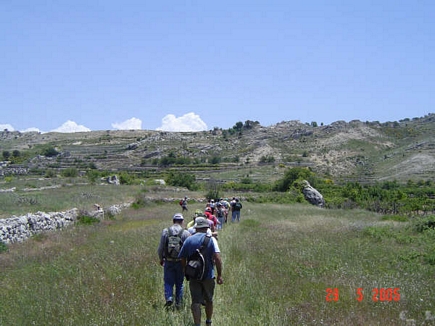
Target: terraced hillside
(363,151)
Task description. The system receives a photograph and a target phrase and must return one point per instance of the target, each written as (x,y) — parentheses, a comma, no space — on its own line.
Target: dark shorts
(202,290)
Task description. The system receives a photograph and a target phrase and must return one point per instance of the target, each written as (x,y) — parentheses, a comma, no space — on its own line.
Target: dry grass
(278,264)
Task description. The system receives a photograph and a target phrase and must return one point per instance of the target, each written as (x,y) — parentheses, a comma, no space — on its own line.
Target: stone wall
(19,229)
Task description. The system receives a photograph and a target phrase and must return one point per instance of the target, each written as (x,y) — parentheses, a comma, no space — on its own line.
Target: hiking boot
(168,304)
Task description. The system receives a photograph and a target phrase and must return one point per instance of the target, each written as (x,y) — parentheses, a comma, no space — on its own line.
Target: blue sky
(195,65)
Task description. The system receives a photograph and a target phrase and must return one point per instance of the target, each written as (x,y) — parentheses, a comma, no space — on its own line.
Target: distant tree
(213,189)
(50,152)
(16,153)
(6,155)
(181,180)
(238,126)
(291,175)
(250,124)
(215,159)
(313,124)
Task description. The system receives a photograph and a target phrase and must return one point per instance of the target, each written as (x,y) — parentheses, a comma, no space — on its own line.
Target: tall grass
(279,262)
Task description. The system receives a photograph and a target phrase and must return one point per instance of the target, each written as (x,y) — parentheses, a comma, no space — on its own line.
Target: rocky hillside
(355,150)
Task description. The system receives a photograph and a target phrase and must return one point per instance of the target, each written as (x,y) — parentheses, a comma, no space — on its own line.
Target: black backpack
(196,264)
(173,244)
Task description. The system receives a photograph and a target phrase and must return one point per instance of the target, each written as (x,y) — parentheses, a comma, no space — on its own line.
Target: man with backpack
(236,206)
(183,204)
(171,241)
(202,289)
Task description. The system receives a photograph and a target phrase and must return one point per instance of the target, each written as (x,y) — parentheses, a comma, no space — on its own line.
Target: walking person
(236,207)
(220,214)
(171,241)
(203,290)
(209,215)
(183,204)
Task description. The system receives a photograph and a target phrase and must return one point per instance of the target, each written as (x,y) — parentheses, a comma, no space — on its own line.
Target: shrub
(291,176)
(425,224)
(378,232)
(50,152)
(181,180)
(246,180)
(6,155)
(93,175)
(88,220)
(70,173)
(125,178)
(50,173)
(3,247)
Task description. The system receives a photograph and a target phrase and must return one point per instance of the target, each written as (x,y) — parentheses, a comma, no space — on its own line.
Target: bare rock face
(312,195)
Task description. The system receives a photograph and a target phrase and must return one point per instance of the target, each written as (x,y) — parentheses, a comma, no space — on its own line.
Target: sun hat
(201,223)
(178,216)
(198,212)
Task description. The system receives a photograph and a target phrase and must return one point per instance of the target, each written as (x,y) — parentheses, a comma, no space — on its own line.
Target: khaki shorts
(202,290)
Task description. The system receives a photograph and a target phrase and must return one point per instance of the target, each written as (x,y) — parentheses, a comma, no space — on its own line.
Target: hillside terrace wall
(18,229)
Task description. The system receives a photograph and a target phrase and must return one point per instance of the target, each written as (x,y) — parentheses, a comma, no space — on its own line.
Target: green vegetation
(186,180)
(3,247)
(283,265)
(50,152)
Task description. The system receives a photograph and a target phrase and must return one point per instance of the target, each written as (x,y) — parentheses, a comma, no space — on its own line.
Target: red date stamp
(377,294)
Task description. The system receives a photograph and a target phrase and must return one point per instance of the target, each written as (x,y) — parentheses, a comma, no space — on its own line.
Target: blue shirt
(194,242)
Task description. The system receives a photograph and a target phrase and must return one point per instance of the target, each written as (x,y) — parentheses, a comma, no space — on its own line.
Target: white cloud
(71,126)
(11,128)
(31,129)
(6,126)
(187,122)
(129,124)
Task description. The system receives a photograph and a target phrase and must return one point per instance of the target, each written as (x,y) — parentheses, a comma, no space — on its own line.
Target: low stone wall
(19,229)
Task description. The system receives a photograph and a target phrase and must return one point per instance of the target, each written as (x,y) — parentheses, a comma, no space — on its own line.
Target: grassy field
(283,265)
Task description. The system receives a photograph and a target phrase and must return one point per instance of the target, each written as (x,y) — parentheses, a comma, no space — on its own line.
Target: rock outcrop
(312,195)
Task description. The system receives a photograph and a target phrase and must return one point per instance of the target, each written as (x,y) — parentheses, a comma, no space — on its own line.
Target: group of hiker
(182,248)
(220,208)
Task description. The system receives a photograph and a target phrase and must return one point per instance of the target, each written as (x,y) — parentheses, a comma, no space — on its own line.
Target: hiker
(212,205)
(203,291)
(198,212)
(183,204)
(220,214)
(226,208)
(209,215)
(236,207)
(171,241)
